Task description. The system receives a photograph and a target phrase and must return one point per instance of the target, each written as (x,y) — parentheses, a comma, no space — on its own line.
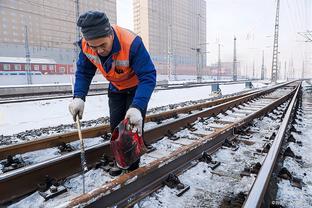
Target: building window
(6,66)
(17,67)
(51,67)
(62,69)
(44,67)
(36,67)
(27,67)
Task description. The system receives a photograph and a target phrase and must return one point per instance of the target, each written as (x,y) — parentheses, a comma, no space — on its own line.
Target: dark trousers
(119,103)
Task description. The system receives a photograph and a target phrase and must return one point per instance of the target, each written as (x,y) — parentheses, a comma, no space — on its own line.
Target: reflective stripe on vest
(121,74)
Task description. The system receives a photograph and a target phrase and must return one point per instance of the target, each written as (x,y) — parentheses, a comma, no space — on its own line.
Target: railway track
(102,130)
(206,131)
(7,98)
(260,186)
(292,179)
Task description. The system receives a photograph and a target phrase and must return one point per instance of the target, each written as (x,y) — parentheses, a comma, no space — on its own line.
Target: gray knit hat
(94,24)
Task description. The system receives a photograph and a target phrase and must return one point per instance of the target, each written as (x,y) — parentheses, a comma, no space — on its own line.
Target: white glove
(76,108)
(135,120)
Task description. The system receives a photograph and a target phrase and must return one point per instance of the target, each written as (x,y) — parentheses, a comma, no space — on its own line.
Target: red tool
(126,146)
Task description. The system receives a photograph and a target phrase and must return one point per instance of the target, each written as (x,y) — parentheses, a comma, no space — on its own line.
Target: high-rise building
(174,32)
(51,26)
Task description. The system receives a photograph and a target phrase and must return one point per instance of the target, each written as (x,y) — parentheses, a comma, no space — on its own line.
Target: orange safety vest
(121,75)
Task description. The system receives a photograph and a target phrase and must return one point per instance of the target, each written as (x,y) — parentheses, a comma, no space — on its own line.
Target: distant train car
(38,66)
(64,68)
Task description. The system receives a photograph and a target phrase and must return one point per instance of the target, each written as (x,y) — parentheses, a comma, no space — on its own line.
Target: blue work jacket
(140,62)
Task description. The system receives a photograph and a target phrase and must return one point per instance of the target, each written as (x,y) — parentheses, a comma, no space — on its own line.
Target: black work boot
(134,166)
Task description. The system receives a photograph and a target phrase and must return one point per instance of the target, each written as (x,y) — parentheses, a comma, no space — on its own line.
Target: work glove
(135,120)
(76,108)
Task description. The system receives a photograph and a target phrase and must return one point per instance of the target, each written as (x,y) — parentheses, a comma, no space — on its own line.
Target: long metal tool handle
(83,161)
(82,154)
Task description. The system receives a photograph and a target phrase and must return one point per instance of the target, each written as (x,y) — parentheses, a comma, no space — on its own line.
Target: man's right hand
(76,108)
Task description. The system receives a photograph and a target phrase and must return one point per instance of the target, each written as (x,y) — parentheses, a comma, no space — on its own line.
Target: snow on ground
(232,163)
(209,188)
(287,195)
(19,117)
(74,188)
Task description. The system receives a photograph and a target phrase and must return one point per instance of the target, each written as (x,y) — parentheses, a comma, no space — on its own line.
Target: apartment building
(174,32)
(51,26)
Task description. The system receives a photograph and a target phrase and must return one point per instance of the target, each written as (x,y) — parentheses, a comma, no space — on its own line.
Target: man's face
(102,46)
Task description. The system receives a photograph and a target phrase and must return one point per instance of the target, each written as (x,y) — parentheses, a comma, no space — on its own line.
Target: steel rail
(259,188)
(131,187)
(30,97)
(58,139)
(59,168)
(23,91)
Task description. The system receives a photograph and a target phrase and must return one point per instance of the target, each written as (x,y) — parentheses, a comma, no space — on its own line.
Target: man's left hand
(135,120)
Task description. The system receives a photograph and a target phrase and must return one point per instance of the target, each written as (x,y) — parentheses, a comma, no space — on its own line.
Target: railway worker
(123,60)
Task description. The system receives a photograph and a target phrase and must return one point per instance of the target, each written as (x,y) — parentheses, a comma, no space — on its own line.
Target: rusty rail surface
(259,188)
(27,178)
(131,187)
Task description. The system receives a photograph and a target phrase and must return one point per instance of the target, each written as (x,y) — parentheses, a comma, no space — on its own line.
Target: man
(121,57)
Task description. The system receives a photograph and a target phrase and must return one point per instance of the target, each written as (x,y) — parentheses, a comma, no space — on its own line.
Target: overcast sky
(252,22)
